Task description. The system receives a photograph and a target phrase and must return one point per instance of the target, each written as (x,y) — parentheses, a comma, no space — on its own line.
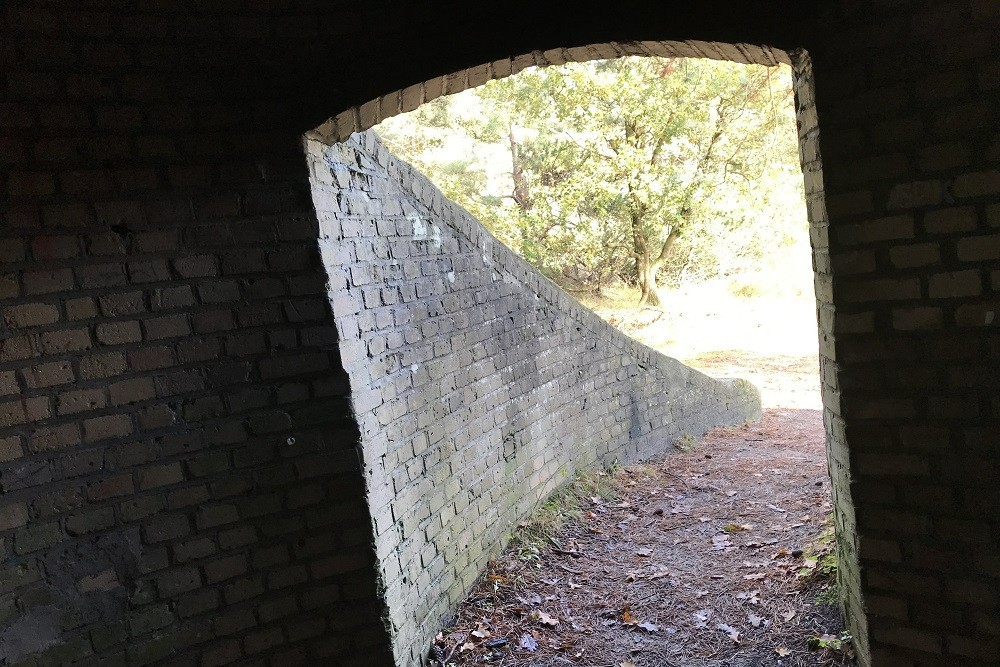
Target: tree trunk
(520,193)
(650,266)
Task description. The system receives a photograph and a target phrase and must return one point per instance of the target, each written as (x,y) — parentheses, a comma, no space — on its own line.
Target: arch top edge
(366,115)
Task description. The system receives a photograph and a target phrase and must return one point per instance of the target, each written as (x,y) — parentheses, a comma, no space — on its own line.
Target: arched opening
(410,315)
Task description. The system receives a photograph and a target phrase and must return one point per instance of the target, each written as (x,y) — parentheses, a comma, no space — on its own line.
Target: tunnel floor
(711,557)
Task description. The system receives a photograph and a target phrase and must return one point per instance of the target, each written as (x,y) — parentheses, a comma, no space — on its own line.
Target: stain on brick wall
(479,386)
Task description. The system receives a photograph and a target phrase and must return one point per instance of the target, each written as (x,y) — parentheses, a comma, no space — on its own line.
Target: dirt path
(697,563)
(712,557)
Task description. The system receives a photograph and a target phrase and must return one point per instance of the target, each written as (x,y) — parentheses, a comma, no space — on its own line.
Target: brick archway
(358,119)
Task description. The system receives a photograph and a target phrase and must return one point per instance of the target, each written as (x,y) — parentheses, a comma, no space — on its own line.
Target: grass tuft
(565,504)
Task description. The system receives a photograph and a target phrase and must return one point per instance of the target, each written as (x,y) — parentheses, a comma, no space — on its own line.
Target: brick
(225,568)
(148,271)
(100,366)
(13,515)
(81,400)
(237,537)
(139,508)
(188,496)
(10,288)
(105,580)
(146,620)
(48,375)
(177,581)
(915,319)
(977,184)
(30,315)
(162,475)
(954,284)
(213,516)
(131,391)
(197,548)
(47,282)
(261,640)
(91,522)
(108,426)
(908,256)
(165,527)
(69,340)
(10,449)
(883,229)
(978,248)
(233,622)
(916,194)
(118,333)
(127,303)
(8,383)
(169,298)
(111,487)
(196,266)
(243,589)
(222,654)
(171,326)
(197,602)
(951,220)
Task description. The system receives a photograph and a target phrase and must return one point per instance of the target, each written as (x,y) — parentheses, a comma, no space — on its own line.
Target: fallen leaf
(467,646)
(782,651)
(481,633)
(628,618)
(573,585)
(733,633)
(755,620)
(755,577)
(528,643)
(788,615)
(644,552)
(544,618)
(649,627)
(627,664)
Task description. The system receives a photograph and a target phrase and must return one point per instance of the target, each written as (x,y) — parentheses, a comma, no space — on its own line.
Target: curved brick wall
(479,386)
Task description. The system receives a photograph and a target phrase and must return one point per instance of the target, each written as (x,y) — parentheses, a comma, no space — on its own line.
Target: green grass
(565,504)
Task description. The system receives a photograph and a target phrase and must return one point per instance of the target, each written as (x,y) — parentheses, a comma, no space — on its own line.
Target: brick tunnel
(181,476)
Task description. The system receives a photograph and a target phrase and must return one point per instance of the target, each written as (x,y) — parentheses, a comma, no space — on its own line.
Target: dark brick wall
(150,155)
(478,385)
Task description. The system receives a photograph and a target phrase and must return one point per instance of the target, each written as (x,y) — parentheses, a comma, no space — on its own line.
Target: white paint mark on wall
(989,317)
(414,367)
(424,231)
(451,277)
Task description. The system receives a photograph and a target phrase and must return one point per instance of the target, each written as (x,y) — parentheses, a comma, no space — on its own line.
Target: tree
(615,164)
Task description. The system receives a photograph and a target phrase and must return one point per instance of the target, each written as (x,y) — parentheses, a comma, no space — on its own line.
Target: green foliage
(830,643)
(620,169)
